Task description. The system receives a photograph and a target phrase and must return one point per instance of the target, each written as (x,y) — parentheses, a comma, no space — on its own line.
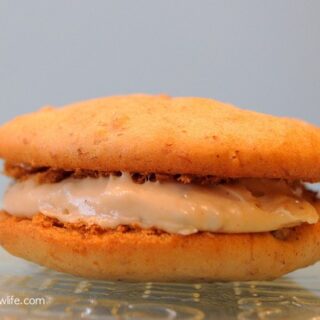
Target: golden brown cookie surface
(145,256)
(141,133)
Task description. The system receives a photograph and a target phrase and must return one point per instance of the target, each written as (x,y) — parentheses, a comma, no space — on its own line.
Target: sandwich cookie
(154,188)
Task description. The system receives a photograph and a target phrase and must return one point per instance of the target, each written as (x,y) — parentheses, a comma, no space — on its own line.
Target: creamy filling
(246,205)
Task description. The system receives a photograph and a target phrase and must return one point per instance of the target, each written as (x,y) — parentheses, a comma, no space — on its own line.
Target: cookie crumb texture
(23,172)
(150,256)
(141,133)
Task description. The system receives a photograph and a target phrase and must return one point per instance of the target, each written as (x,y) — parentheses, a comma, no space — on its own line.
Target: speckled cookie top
(142,133)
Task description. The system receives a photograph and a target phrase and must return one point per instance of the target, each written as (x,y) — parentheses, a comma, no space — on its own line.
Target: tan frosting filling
(247,205)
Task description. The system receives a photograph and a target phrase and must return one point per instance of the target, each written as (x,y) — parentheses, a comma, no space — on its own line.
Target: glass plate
(61,296)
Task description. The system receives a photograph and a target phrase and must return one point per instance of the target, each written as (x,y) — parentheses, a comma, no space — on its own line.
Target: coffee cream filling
(245,205)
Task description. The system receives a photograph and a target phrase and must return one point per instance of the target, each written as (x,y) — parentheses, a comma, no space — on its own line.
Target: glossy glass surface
(296,296)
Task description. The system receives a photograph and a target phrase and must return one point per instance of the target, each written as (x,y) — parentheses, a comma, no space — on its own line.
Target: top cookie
(142,133)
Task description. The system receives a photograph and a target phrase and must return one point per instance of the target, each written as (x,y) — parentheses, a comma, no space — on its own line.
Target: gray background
(262,55)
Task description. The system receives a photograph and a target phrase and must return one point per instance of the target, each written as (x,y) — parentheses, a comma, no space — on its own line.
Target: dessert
(143,187)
